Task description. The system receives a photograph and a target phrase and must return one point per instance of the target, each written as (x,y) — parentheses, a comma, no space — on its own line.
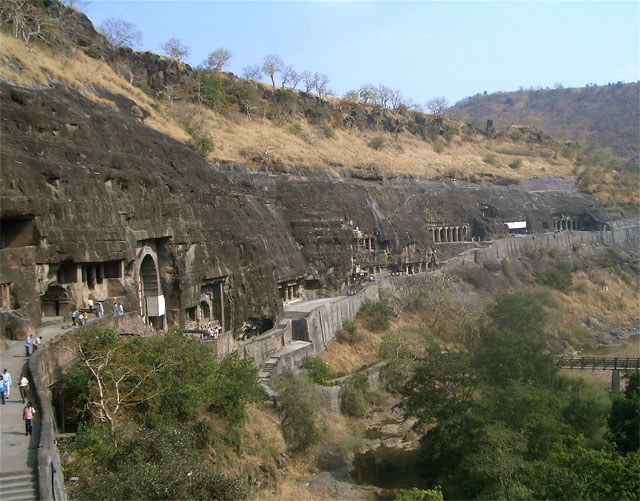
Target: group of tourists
(118,309)
(32,346)
(5,391)
(211,332)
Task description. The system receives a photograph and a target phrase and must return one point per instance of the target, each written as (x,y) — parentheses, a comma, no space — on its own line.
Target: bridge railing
(599,363)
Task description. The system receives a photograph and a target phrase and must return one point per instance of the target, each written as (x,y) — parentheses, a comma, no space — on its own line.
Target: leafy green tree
(441,388)
(512,348)
(375,315)
(624,421)
(557,276)
(234,385)
(492,469)
(354,396)
(578,472)
(318,370)
(299,400)
(401,349)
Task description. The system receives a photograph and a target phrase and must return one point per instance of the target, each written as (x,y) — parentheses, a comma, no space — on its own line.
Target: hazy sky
(426,49)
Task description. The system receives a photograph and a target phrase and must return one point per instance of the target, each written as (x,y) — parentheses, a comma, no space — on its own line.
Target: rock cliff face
(96,204)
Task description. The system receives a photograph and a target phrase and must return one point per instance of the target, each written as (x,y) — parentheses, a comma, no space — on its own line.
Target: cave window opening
(5,298)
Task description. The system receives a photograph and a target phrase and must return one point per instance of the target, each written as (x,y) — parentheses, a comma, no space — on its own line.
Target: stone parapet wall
(45,366)
(320,324)
(260,348)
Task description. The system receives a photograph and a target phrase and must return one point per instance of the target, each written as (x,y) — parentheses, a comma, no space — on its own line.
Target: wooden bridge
(599,363)
(614,364)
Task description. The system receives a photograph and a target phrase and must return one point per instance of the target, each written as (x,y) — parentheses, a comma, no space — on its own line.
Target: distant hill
(608,116)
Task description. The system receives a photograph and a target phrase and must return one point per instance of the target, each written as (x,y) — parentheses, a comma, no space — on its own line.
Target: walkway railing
(599,363)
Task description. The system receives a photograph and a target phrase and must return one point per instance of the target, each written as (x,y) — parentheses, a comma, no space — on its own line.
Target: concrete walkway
(19,452)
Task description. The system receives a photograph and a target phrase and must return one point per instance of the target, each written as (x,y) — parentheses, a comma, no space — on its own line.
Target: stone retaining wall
(45,366)
(321,324)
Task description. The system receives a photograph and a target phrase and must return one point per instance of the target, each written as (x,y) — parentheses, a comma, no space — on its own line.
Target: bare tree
(396,99)
(367,93)
(352,95)
(384,94)
(217,59)
(175,50)
(437,105)
(26,19)
(120,33)
(271,65)
(115,383)
(321,82)
(289,75)
(252,72)
(309,80)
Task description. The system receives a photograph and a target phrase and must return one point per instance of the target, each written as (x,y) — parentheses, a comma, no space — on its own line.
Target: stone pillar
(437,238)
(221,290)
(615,380)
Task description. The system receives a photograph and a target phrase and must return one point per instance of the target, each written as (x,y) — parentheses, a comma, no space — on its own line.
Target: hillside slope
(608,116)
(230,120)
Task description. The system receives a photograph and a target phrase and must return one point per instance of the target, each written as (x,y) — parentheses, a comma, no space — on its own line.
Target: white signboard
(155,306)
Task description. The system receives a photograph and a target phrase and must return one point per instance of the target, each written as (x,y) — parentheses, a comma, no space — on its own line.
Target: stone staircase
(18,486)
(265,374)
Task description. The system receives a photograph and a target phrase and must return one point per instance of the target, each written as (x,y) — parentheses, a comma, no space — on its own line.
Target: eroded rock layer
(97,205)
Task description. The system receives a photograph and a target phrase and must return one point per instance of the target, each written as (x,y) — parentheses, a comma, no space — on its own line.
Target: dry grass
(37,67)
(259,142)
(617,306)
(346,357)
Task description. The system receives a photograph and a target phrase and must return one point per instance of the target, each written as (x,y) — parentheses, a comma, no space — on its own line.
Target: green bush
(295,128)
(299,400)
(328,132)
(516,164)
(437,145)
(319,371)
(507,272)
(376,143)
(354,396)
(557,276)
(490,159)
(349,333)
(375,315)
(203,144)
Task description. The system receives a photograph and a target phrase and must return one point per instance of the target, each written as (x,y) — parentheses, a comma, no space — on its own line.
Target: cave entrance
(56,302)
(153,301)
(205,311)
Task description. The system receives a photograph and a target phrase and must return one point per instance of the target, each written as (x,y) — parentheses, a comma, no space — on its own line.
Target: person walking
(23,386)
(36,343)
(120,309)
(27,415)
(7,383)
(100,310)
(2,386)
(27,343)
(115,309)
(90,305)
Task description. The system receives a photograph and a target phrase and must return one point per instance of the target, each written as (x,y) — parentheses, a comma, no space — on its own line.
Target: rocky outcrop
(96,204)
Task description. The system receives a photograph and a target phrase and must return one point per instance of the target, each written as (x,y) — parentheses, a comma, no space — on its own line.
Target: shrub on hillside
(376,143)
(490,159)
(516,164)
(437,145)
(557,276)
(299,400)
(349,333)
(318,371)
(375,315)
(354,396)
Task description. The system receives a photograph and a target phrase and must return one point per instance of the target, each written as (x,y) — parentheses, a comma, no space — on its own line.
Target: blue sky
(426,49)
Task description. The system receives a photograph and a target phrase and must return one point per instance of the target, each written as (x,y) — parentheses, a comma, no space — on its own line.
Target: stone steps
(18,486)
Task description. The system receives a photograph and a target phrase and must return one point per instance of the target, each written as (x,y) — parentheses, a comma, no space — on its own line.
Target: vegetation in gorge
(183,418)
(500,422)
